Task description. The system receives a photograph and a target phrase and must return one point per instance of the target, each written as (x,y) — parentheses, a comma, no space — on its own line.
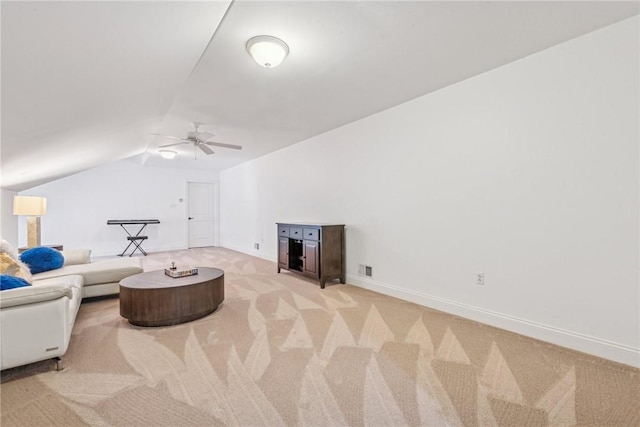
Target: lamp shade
(31,206)
(267,51)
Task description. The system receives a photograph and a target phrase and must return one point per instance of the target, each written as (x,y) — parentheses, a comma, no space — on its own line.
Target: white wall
(528,173)
(79,206)
(9,228)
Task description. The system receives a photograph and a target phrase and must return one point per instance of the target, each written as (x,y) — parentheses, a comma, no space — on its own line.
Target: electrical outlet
(479,278)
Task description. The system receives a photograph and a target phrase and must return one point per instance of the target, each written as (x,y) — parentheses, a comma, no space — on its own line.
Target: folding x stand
(135,240)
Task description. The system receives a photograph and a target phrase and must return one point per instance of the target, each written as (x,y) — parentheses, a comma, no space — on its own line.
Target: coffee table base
(145,302)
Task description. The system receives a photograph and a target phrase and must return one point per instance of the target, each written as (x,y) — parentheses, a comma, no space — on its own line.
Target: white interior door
(201,214)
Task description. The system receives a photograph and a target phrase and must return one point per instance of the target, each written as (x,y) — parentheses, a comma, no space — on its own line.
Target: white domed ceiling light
(168,154)
(267,51)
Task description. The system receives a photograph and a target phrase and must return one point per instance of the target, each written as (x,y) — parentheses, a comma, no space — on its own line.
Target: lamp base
(33,231)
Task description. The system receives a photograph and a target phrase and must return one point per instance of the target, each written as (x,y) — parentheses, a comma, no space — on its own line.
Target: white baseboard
(252,252)
(573,340)
(110,254)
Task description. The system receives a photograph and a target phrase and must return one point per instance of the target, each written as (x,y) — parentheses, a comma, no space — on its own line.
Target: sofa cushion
(98,272)
(41,259)
(72,281)
(12,282)
(76,256)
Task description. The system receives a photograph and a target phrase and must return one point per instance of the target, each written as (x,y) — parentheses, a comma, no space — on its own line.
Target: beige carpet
(281,351)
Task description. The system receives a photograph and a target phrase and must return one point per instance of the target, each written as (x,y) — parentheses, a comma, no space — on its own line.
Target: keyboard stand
(135,240)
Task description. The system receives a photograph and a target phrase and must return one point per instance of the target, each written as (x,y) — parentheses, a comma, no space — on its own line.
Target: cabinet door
(310,257)
(283,252)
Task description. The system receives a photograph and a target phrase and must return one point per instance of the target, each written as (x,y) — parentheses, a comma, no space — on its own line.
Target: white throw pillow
(76,256)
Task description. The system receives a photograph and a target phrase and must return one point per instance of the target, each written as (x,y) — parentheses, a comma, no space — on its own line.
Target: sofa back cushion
(41,259)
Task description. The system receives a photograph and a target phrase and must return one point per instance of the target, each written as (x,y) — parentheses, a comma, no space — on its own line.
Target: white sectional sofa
(36,321)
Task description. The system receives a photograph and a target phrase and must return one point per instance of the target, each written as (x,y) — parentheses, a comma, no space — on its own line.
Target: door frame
(216,210)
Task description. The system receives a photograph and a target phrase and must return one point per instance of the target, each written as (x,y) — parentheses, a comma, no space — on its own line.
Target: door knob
(190,217)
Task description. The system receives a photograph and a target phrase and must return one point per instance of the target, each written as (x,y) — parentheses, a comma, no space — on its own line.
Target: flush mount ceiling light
(267,51)
(168,154)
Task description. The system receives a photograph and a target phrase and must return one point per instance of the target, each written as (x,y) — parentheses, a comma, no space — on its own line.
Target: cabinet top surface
(312,224)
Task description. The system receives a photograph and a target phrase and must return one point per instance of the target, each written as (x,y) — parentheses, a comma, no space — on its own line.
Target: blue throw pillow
(11,282)
(42,259)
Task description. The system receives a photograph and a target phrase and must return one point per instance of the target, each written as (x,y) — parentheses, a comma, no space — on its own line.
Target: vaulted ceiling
(86,83)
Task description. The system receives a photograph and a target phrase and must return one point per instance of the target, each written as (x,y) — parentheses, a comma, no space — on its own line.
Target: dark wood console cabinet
(316,250)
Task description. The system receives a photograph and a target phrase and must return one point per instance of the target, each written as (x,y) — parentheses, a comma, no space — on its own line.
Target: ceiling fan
(199,140)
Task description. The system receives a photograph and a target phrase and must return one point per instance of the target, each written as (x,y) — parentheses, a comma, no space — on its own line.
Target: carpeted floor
(281,351)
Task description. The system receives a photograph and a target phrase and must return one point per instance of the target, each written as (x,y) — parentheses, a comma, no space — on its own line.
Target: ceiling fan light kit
(168,154)
(267,51)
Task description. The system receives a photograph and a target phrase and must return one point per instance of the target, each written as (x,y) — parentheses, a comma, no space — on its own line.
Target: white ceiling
(85,83)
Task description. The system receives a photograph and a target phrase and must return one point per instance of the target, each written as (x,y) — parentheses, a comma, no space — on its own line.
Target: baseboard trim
(569,339)
(252,252)
(111,254)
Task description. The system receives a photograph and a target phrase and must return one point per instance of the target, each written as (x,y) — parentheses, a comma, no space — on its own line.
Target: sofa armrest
(36,321)
(35,294)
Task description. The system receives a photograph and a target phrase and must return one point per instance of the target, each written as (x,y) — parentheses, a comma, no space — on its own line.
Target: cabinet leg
(278,270)
(343,279)
(322,282)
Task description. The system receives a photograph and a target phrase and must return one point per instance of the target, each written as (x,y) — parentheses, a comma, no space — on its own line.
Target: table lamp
(33,208)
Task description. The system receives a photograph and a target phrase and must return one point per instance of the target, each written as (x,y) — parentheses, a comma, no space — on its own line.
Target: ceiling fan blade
(220,144)
(166,136)
(206,149)
(171,145)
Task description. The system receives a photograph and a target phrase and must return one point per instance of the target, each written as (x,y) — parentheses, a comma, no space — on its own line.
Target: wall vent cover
(365,270)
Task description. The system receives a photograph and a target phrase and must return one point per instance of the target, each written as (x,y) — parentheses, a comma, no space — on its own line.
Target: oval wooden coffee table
(155,299)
